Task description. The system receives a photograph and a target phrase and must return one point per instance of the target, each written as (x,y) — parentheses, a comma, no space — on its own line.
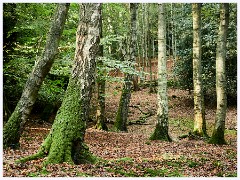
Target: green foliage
(210,23)
(30,30)
(109,64)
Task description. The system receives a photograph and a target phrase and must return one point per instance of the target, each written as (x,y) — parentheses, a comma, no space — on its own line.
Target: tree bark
(122,114)
(100,114)
(65,142)
(13,128)
(219,127)
(161,129)
(199,110)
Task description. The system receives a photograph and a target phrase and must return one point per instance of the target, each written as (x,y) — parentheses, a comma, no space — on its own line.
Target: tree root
(192,136)
(38,155)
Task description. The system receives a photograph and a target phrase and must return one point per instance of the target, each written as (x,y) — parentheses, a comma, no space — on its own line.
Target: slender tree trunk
(146,38)
(135,77)
(219,127)
(172,26)
(100,114)
(122,114)
(150,63)
(13,128)
(65,142)
(161,129)
(142,79)
(199,110)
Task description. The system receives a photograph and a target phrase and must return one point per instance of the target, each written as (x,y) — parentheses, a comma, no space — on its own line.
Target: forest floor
(132,153)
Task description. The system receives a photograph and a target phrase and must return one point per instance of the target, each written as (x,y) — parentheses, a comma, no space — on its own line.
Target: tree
(161,129)
(100,114)
(122,113)
(65,142)
(199,109)
(13,128)
(219,127)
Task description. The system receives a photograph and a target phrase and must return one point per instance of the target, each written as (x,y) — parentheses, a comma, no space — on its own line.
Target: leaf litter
(132,153)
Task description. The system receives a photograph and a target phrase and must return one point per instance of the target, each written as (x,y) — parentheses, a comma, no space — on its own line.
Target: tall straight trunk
(13,128)
(219,127)
(168,33)
(65,142)
(100,114)
(150,62)
(161,129)
(122,114)
(175,41)
(172,26)
(199,110)
(135,77)
(142,44)
(146,34)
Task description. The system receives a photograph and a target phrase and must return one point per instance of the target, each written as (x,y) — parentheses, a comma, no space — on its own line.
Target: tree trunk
(142,79)
(219,127)
(13,128)
(122,114)
(100,114)
(161,130)
(199,110)
(152,89)
(65,142)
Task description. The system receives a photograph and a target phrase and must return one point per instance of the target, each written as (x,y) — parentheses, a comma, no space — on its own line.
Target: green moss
(125,159)
(38,155)
(160,133)
(217,137)
(119,124)
(155,172)
(65,140)
(232,132)
(11,130)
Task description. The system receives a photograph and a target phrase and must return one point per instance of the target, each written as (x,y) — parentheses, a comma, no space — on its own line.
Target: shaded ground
(132,154)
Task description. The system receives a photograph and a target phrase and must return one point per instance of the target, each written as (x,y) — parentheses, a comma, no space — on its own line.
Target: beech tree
(199,109)
(65,142)
(122,113)
(219,127)
(161,129)
(14,126)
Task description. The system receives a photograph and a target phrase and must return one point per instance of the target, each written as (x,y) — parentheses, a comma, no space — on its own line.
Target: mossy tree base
(200,134)
(65,143)
(217,137)
(160,133)
(11,130)
(120,124)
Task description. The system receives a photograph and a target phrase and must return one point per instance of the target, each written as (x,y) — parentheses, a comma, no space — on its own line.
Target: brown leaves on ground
(131,153)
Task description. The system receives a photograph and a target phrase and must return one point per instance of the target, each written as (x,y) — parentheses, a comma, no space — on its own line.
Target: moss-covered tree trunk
(65,142)
(122,113)
(161,129)
(219,127)
(199,109)
(13,128)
